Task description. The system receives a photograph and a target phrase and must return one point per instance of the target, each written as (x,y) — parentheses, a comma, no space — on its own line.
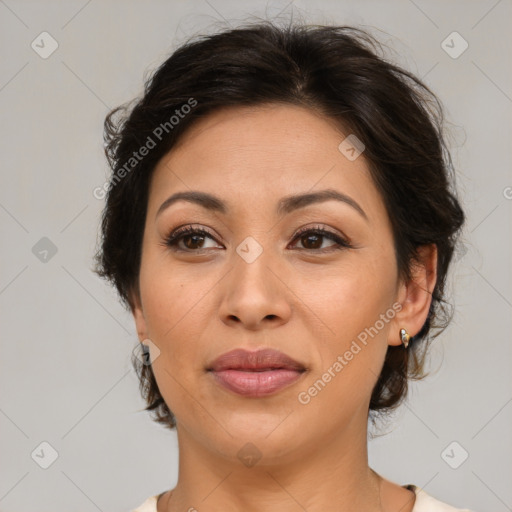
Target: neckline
(409,487)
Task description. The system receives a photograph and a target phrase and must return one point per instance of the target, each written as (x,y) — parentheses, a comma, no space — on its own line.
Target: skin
(299,296)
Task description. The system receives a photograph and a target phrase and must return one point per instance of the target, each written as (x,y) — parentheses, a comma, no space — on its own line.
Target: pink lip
(255,374)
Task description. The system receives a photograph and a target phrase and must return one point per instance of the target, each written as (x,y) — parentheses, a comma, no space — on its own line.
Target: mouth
(255,374)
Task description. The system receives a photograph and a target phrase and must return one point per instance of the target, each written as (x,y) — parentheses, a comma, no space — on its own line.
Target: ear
(138,315)
(415,296)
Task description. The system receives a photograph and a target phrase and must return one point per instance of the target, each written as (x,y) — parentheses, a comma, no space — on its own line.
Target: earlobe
(416,295)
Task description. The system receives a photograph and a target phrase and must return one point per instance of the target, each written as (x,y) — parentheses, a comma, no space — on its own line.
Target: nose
(255,294)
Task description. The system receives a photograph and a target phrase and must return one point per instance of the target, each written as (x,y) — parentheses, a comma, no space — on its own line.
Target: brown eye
(193,239)
(313,238)
(312,241)
(190,239)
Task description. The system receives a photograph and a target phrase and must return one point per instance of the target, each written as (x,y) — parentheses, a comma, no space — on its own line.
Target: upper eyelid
(316,227)
(178,233)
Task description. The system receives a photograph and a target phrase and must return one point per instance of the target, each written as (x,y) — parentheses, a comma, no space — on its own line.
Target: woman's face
(251,283)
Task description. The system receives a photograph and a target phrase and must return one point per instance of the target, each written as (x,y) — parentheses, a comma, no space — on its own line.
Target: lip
(255,374)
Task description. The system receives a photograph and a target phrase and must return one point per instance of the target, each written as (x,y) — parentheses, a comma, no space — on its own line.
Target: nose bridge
(251,261)
(251,291)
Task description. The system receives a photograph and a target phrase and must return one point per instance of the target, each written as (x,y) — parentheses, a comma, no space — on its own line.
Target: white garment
(424,503)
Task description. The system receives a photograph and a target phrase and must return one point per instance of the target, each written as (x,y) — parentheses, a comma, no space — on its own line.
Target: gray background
(66,376)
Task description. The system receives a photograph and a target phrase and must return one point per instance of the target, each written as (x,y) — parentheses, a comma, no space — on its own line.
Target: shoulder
(148,506)
(426,503)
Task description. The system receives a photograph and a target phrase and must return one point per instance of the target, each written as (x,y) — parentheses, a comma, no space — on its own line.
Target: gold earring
(404,336)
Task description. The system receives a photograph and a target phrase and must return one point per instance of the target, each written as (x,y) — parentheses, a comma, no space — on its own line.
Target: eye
(313,236)
(192,238)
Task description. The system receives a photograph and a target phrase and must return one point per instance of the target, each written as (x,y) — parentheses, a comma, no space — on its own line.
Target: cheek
(170,295)
(349,298)
(354,306)
(173,310)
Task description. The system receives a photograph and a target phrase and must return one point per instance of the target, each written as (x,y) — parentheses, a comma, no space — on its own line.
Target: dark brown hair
(341,73)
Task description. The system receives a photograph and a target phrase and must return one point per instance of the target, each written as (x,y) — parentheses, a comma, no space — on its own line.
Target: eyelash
(176,236)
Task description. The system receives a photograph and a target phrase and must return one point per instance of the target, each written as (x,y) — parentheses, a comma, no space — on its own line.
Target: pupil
(316,239)
(195,239)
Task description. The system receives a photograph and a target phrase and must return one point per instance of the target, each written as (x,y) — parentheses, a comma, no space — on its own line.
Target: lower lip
(256,384)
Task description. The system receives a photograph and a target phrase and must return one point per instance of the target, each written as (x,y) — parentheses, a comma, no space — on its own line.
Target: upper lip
(267,358)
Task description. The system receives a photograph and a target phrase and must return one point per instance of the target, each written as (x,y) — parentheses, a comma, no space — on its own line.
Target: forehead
(256,155)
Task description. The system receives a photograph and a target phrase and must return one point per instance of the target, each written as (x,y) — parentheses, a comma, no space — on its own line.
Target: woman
(280,221)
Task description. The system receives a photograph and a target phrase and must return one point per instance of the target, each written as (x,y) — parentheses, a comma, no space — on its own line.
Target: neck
(329,474)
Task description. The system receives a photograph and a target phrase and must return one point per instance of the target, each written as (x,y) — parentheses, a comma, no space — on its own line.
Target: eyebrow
(285,206)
